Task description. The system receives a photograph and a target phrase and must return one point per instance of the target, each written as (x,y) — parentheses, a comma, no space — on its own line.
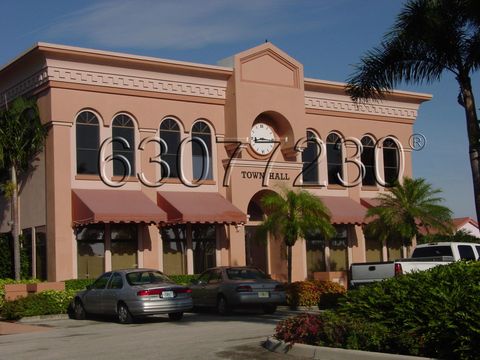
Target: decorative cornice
(135,82)
(130,82)
(60,74)
(320,103)
(26,85)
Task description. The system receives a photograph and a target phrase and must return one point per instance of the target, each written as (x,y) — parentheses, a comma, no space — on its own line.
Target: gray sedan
(133,293)
(228,287)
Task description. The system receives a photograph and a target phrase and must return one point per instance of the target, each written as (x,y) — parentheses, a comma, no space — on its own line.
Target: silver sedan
(133,293)
(228,287)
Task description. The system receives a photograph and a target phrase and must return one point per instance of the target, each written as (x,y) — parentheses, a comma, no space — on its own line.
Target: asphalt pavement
(203,335)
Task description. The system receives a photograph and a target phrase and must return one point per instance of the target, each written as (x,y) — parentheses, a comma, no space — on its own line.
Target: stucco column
(190,269)
(34,253)
(218,245)
(327,255)
(59,202)
(108,246)
(384,251)
(140,233)
(237,245)
(152,247)
(358,253)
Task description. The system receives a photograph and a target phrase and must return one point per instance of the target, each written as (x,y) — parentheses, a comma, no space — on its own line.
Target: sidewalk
(8,328)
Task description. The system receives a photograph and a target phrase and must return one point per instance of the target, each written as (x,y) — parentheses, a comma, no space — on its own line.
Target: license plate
(168,294)
(263,294)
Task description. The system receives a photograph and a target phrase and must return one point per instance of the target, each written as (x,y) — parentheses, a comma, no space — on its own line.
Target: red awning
(202,207)
(369,202)
(94,206)
(345,210)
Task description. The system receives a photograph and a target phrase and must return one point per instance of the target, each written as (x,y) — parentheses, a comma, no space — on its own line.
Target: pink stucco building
(184,149)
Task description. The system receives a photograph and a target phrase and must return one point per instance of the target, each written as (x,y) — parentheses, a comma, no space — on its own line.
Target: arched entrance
(256,247)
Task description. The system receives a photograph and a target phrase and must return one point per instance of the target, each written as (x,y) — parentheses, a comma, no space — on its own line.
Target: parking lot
(204,335)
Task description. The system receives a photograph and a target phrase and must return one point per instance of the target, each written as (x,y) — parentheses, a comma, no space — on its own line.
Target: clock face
(261,139)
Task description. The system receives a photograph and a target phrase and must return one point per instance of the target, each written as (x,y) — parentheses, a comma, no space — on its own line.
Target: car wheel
(79,311)
(176,316)
(269,309)
(124,316)
(223,308)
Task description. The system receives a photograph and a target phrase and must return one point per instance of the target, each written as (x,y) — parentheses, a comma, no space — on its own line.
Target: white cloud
(181,24)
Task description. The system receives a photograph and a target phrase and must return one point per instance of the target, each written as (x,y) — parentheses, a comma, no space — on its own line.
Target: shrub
(330,293)
(302,293)
(303,328)
(78,284)
(183,279)
(313,293)
(43,303)
(332,330)
(438,308)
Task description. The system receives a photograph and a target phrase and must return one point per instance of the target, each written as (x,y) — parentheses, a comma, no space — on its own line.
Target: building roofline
(339,88)
(459,222)
(191,68)
(184,66)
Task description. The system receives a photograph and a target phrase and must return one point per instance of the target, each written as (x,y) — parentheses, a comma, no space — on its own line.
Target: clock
(262,139)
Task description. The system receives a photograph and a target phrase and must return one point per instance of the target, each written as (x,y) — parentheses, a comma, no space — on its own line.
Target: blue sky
(327,36)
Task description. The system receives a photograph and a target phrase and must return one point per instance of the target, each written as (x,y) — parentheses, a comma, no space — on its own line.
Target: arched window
(310,159)
(368,160)
(199,158)
(88,143)
(122,127)
(390,161)
(334,159)
(170,133)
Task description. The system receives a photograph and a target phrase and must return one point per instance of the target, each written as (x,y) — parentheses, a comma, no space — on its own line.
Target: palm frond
(408,207)
(427,38)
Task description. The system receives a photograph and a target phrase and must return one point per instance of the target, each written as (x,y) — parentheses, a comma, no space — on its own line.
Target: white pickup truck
(424,257)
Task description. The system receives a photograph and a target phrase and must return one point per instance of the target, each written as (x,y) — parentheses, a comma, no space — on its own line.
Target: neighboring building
(468,225)
(81,225)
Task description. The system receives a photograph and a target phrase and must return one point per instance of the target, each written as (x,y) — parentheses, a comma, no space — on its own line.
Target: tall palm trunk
(15,224)
(289,264)
(473,136)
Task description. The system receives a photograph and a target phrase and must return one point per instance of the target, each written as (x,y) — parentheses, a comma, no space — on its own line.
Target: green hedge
(78,284)
(314,293)
(434,313)
(43,303)
(183,279)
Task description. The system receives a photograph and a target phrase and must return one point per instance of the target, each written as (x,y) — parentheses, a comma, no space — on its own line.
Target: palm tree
(407,208)
(21,139)
(291,215)
(428,38)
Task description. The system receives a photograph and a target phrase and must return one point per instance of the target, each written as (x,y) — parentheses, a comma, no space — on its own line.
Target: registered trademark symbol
(417,142)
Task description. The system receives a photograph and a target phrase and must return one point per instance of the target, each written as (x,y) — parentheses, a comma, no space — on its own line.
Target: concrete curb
(326,353)
(31,319)
(309,309)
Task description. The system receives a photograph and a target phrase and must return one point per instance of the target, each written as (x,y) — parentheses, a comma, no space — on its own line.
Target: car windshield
(245,274)
(147,277)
